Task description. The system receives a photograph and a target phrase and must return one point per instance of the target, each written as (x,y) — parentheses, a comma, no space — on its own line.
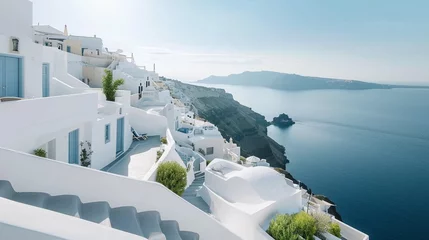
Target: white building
(49,36)
(246,199)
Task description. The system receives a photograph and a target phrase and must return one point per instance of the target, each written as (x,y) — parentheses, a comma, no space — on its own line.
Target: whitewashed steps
(146,224)
(191,193)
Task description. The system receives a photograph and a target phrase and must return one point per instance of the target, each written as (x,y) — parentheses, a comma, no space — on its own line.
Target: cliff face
(246,127)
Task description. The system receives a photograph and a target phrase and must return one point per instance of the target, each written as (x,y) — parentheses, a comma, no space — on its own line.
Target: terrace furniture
(137,136)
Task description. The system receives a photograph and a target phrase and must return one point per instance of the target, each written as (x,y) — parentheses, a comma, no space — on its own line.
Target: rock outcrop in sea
(283,121)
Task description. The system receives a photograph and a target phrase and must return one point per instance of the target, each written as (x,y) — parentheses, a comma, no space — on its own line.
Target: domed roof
(247,184)
(268,183)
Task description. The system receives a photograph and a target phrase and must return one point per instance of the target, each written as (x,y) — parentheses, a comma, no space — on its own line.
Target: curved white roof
(247,184)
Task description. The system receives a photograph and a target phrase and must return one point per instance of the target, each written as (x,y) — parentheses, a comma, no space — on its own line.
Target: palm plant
(110,86)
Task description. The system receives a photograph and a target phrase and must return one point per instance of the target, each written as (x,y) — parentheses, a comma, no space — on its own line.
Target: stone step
(6,190)
(36,199)
(65,204)
(185,235)
(170,229)
(125,219)
(146,224)
(150,223)
(97,212)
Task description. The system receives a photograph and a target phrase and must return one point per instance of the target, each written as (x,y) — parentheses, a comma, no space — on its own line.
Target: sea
(367,150)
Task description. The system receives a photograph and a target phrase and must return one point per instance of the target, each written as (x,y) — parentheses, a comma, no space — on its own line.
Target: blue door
(45,80)
(68,49)
(120,136)
(74,147)
(10,71)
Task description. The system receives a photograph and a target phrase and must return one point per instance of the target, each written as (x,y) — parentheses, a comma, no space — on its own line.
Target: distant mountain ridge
(285,81)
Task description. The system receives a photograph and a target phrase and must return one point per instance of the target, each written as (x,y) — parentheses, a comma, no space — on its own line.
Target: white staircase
(141,208)
(146,224)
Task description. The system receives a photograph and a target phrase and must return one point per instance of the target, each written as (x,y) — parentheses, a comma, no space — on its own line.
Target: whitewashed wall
(105,153)
(215,142)
(145,123)
(11,24)
(95,75)
(75,64)
(169,155)
(89,42)
(97,62)
(29,124)
(231,217)
(31,54)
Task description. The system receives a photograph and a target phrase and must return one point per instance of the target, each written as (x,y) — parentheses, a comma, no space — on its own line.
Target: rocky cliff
(246,127)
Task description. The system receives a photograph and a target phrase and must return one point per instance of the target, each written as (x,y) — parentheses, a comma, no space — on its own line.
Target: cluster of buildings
(51,101)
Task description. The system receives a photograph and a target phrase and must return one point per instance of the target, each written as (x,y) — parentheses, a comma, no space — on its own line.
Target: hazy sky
(371,40)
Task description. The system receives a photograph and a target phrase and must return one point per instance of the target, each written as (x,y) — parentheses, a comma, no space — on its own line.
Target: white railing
(232,156)
(350,233)
(29,173)
(113,65)
(189,154)
(169,154)
(109,108)
(58,88)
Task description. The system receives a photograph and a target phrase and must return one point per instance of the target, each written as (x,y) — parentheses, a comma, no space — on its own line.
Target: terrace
(138,160)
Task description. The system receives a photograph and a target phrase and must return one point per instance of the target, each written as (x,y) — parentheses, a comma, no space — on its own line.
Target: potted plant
(85,154)
(110,86)
(40,152)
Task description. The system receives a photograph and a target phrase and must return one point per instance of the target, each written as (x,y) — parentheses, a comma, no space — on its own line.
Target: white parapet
(56,178)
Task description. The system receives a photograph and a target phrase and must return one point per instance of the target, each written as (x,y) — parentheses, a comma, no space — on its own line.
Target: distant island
(293,82)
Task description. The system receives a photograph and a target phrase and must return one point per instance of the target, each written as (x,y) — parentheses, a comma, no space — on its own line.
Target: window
(68,49)
(209,151)
(107,134)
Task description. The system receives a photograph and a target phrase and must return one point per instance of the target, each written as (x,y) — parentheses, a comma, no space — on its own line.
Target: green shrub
(172,176)
(335,230)
(208,162)
(159,154)
(282,228)
(323,222)
(305,225)
(164,140)
(40,152)
(110,86)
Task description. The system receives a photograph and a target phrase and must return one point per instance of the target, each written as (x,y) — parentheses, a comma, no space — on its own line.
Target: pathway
(191,195)
(136,162)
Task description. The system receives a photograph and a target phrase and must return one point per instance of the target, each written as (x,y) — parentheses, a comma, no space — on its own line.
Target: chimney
(154,67)
(95,35)
(66,32)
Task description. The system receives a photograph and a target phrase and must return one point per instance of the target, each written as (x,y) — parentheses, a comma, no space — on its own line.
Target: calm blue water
(367,150)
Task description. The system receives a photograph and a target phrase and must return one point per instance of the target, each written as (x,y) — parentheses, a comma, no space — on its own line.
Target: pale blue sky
(377,41)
